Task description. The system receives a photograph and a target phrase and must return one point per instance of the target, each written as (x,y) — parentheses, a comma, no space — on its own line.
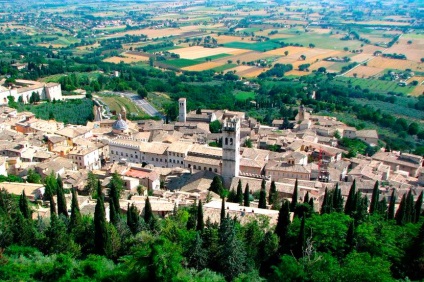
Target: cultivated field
(386,63)
(364,72)
(418,91)
(197,52)
(128,59)
(203,66)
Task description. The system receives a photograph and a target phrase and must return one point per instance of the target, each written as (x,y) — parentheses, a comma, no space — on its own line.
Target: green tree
(295,196)
(91,183)
(59,241)
(326,202)
(33,177)
(24,206)
(76,218)
(283,224)
(148,212)
(401,211)
(392,203)
(200,223)
(215,126)
(375,198)
(301,240)
(272,193)
(246,196)
(133,218)
(222,215)
(198,257)
(115,187)
(414,257)
(62,207)
(350,205)
(101,234)
(262,195)
(350,238)
(239,195)
(216,186)
(418,206)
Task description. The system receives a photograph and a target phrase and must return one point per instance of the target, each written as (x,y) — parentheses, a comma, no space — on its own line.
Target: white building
(25,88)
(85,158)
(230,150)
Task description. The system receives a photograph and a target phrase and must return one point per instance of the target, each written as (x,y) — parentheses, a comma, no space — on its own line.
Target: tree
(239,195)
(286,53)
(101,234)
(215,126)
(246,196)
(91,183)
(198,256)
(295,196)
(33,177)
(62,207)
(413,128)
(350,238)
(231,255)
(222,215)
(418,205)
(401,212)
(392,203)
(262,196)
(415,257)
(283,223)
(142,92)
(24,206)
(375,198)
(326,203)
(349,207)
(148,213)
(337,199)
(216,186)
(115,187)
(300,244)
(200,223)
(272,193)
(133,218)
(76,217)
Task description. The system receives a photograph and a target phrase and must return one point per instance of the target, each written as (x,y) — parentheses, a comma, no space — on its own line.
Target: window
(189,165)
(215,170)
(210,169)
(126,154)
(111,152)
(153,159)
(136,156)
(182,162)
(131,155)
(231,141)
(122,154)
(194,166)
(204,168)
(226,141)
(157,159)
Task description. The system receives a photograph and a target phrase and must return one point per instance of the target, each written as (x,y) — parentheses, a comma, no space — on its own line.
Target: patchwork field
(128,59)
(203,66)
(418,91)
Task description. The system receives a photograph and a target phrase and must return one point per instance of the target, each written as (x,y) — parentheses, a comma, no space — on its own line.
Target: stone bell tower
(230,150)
(182,110)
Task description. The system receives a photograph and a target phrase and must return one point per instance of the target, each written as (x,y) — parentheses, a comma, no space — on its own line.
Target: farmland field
(203,66)
(365,72)
(197,52)
(244,95)
(378,86)
(386,63)
(257,46)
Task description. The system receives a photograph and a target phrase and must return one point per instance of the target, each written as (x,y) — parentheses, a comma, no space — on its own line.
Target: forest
(352,240)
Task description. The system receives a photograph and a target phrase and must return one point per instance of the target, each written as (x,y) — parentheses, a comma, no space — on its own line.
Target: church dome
(120,124)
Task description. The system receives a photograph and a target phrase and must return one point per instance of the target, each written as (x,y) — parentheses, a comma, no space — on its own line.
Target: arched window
(231,141)
(226,141)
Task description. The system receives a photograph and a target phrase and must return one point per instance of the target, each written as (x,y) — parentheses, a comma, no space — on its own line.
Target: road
(141,103)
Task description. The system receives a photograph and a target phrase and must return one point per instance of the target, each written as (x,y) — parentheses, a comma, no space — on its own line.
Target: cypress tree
(294,197)
(113,217)
(24,206)
(415,257)
(101,235)
(232,196)
(306,198)
(116,185)
(392,203)
(375,198)
(222,209)
(311,203)
(350,206)
(382,206)
(400,213)
(133,218)
(418,205)
(262,196)
(350,238)
(239,196)
(325,203)
(409,213)
(129,216)
(62,207)
(272,193)
(247,196)
(337,199)
(76,218)
(300,244)
(283,223)
(200,223)
(52,206)
(148,213)
(216,186)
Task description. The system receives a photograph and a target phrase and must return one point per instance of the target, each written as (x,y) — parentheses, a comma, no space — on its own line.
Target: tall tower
(230,150)
(301,113)
(123,113)
(182,106)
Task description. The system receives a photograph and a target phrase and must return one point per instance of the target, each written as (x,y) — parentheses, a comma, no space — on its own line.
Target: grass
(115,103)
(224,67)
(244,95)
(322,41)
(258,46)
(169,48)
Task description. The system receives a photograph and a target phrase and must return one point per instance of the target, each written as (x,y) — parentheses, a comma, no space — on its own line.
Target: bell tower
(230,150)
(182,110)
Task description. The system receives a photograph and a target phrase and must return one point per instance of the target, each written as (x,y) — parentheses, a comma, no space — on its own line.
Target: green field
(322,41)
(224,67)
(182,63)
(258,46)
(244,95)
(115,103)
(375,85)
(215,57)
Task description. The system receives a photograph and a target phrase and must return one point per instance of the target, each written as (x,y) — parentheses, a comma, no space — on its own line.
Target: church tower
(182,106)
(230,150)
